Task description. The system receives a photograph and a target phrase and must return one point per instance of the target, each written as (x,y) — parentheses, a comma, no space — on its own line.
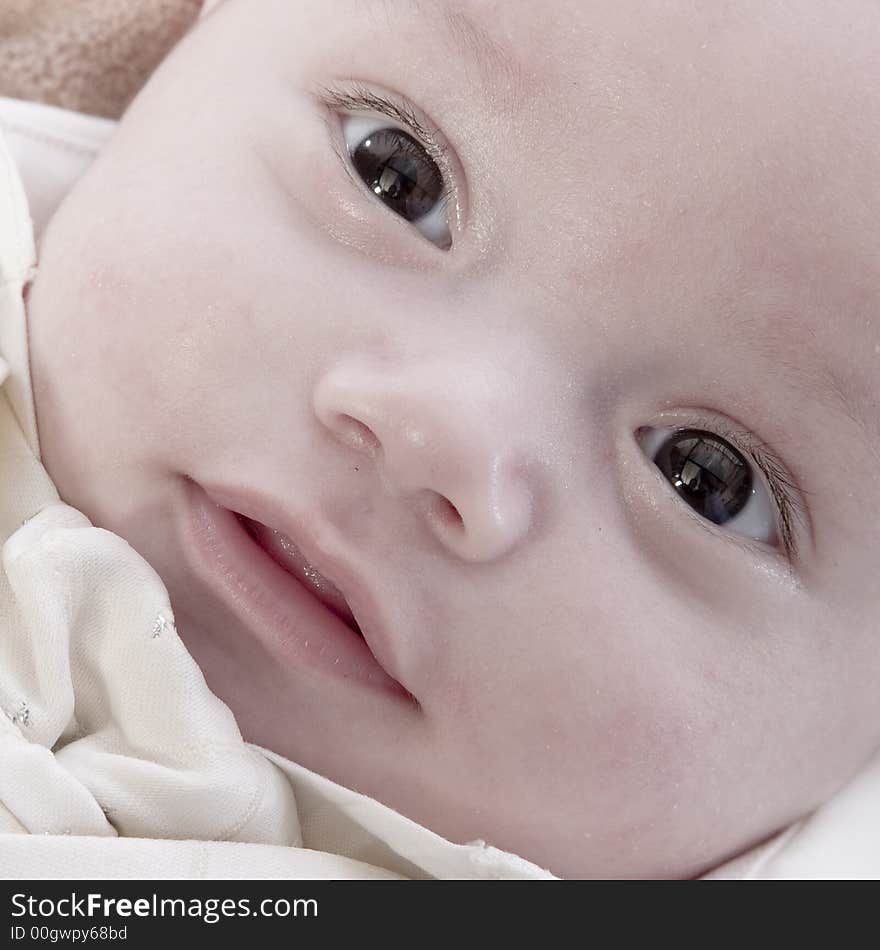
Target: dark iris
(708,473)
(398,170)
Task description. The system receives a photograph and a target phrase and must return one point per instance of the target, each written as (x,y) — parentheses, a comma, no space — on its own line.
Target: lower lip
(278,610)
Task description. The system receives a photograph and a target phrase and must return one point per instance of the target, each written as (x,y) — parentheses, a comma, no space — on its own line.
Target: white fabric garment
(116,760)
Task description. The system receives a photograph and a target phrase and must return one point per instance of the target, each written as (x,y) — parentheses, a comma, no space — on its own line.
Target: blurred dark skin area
(87,55)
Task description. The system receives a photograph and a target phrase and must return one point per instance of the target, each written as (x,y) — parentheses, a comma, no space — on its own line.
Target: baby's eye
(714,478)
(398,169)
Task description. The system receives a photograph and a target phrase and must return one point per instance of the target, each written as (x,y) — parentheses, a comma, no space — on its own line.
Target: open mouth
(285,553)
(292,605)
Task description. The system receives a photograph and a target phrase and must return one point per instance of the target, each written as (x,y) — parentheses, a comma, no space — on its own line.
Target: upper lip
(306,534)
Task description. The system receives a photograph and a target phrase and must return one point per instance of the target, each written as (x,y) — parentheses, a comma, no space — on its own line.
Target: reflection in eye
(397,168)
(714,478)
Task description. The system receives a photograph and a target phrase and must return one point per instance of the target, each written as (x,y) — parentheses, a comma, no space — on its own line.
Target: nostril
(446,516)
(356,434)
(449,512)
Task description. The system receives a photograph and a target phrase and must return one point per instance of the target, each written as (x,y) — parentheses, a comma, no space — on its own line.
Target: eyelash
(360,98)
(785,492)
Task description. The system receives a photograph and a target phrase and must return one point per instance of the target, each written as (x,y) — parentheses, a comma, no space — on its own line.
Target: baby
(543,349)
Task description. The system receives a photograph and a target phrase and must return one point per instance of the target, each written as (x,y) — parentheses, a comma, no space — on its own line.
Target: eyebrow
(857,404)
(791,351)
(501,75)
(851,398)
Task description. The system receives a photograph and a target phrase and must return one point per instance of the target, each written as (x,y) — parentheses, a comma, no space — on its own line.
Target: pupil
(398,170)
(395,181)
(711,475)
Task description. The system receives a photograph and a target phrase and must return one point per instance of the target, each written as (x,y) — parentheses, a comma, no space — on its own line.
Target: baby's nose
(441,429)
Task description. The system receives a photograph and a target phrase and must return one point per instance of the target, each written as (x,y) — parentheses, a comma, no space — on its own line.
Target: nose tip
(434,436)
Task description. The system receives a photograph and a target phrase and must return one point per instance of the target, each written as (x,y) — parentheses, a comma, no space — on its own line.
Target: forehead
(647,112)
(602,48)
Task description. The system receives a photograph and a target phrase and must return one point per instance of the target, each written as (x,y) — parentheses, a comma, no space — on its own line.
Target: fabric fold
(139,740)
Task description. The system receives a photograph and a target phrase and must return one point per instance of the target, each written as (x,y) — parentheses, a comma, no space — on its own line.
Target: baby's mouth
(282,550)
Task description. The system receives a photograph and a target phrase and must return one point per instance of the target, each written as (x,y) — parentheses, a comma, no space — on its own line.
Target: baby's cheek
(624,740)
(649,742)
(655,797)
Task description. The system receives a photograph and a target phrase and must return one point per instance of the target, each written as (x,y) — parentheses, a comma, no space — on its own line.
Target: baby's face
(628,326)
